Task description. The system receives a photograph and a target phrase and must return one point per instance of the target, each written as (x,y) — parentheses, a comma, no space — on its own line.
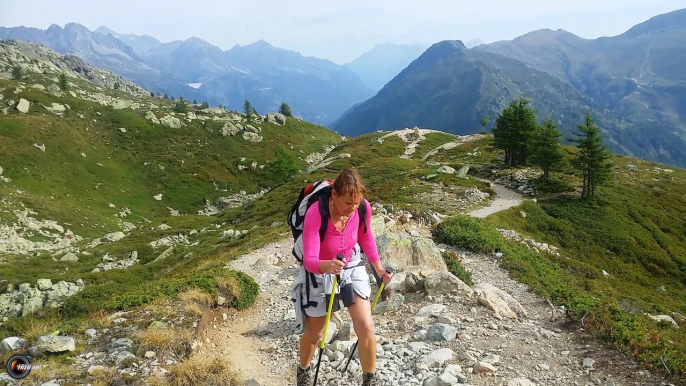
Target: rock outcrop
(26,299)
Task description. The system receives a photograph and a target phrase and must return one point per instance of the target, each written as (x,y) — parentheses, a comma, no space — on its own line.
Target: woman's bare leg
(361,314)
(314,330)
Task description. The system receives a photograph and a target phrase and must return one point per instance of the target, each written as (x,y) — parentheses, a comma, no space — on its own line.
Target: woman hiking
(344,235)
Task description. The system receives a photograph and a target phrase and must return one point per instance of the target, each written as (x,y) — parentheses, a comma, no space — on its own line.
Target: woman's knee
(314,336)
(365,329)
(314,331)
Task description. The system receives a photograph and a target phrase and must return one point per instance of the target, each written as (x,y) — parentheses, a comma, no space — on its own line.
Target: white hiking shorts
(316,305)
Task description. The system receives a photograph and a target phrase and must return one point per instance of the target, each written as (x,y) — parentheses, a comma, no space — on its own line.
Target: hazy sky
(337,30)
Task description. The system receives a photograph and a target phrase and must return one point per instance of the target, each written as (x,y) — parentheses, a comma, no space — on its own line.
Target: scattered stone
(23,106)
(446,170)
(51,344)
(171,122)
(473,194)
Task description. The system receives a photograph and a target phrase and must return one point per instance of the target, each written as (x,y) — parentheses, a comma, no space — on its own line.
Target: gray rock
(447,379)
(437,358)
(252,137)
(112,237)
(171,122)
(445,282)
(453,369)
(588,363)
(91,333)
(483,367)
(50,383)
(415,347)
(230,129)
(31,304)
(441,332)
(463,172)
(446,170)
(277,118)
(119,343)
(404,252)
(520,382)
(52,344)
(43,284)
(23,106)
(393,303)
(69,257)
(12,344)
(120,356)
(431,310)
(252,129)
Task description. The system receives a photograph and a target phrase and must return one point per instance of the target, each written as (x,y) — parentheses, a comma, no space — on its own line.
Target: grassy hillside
(621,256)
(89,161)
(93,177)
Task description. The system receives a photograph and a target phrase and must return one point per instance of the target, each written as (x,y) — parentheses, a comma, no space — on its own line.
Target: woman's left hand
(384,275)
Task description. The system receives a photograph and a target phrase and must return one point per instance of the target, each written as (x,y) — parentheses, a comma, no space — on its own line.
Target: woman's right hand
(331,266)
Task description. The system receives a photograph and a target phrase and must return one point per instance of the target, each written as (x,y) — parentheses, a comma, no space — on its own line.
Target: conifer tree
(546,151)
(592,157)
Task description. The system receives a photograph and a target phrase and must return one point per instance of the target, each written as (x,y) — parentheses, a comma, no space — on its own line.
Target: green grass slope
(621,256)
(187,165)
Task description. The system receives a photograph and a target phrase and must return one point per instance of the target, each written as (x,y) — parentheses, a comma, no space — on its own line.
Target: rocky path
(406,136)
(505,199)
(539,347)
(429,337)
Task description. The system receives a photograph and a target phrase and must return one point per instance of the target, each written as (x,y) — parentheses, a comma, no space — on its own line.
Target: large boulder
(439,283)
(52,344)
(404,252)
(487,292)
(11,344)
(494,303)
(23,106)
(230,129)
(171,122)
(252,137)
(277,118)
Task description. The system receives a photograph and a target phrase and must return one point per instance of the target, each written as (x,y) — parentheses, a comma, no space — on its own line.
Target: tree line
(525,142)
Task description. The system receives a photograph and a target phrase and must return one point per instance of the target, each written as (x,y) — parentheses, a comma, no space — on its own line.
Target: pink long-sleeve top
(334,241)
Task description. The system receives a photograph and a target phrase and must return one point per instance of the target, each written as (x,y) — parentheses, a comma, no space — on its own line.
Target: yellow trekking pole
(389,270)
(328,318)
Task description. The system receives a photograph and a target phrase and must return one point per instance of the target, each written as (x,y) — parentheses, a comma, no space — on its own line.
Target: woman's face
(345,205)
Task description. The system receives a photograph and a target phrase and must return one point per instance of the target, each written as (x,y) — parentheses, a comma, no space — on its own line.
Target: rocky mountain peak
(105,31)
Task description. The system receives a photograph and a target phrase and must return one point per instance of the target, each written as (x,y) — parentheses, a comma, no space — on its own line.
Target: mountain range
(633,83)
(316,89)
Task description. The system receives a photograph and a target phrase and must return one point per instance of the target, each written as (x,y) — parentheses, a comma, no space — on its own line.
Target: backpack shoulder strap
(324,212)
(362,210)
